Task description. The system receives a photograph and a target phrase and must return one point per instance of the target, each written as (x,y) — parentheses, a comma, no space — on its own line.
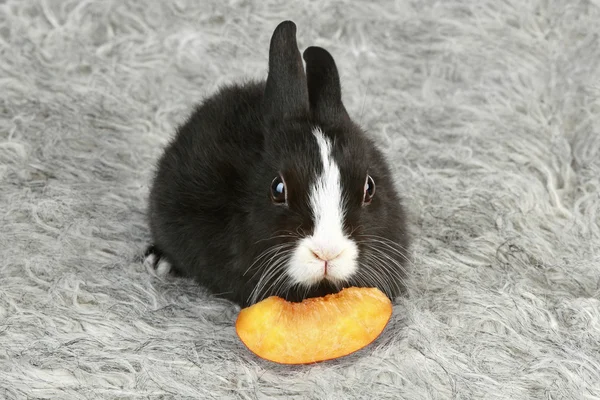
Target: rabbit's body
(215,163)
(269,188)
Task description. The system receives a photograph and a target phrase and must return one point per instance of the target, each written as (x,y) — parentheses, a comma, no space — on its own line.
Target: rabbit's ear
(286,92)
(324,91)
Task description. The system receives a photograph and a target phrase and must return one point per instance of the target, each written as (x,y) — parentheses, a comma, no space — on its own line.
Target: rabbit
(270,188)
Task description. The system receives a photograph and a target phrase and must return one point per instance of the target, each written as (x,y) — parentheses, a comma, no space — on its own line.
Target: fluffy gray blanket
(489,111)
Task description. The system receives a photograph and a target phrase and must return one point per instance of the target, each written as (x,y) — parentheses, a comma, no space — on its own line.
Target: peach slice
(316,329)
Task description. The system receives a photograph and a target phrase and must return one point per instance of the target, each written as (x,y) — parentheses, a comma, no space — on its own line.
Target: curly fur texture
(488,110)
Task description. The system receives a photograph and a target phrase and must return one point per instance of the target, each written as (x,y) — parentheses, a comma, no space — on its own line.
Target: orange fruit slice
(316,329)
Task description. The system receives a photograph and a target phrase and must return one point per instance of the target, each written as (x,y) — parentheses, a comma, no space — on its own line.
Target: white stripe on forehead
(326,194)
(327,253)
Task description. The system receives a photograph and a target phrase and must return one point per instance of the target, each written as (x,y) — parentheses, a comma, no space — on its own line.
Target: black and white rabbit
(270,189)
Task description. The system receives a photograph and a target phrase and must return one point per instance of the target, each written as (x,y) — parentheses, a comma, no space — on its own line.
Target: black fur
(210,210)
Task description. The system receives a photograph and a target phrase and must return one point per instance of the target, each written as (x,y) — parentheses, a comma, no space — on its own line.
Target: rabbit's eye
(278,194)
(369,190)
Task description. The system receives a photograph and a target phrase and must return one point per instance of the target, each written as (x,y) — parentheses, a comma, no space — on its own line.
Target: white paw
(163,268)
(150,261)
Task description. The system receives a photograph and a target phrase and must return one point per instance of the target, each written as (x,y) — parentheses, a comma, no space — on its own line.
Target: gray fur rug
(489,111)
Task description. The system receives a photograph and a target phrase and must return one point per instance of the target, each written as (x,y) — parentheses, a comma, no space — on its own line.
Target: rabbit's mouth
(323,288)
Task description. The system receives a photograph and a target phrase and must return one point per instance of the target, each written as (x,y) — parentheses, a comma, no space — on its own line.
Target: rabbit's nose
(327,253)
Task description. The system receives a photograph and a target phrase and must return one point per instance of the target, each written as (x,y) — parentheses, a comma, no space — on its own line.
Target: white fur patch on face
(328,253)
